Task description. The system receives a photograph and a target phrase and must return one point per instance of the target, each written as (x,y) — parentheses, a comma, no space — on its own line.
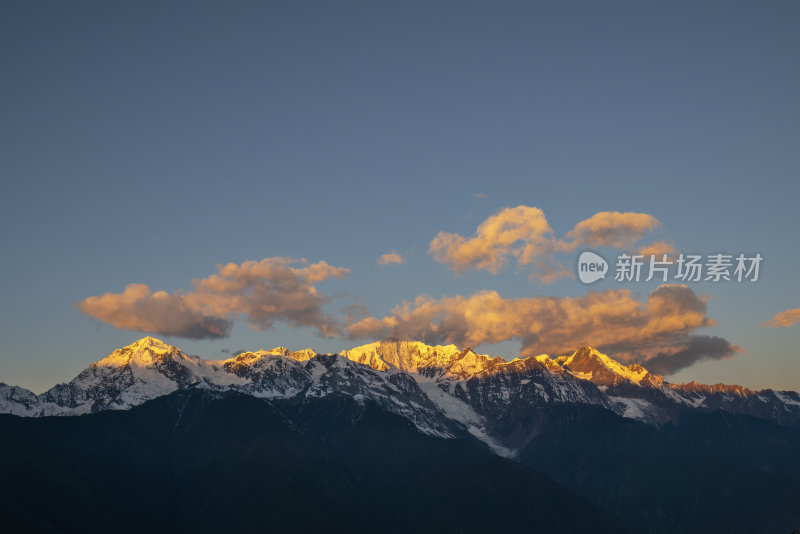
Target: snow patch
(633,408)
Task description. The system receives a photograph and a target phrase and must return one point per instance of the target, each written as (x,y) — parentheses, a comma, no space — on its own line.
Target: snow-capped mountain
(151,368)
(494,388)
(442,390)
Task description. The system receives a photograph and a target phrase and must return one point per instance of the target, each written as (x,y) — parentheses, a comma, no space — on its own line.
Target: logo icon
(591,267)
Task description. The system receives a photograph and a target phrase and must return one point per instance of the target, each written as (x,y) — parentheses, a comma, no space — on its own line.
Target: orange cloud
(612,320)
(612,229)
(784,319)
(263,292)
(657,249)
(390,258)
(523,234)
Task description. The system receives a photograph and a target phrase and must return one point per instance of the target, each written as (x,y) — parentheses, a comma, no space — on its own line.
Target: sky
(292,173)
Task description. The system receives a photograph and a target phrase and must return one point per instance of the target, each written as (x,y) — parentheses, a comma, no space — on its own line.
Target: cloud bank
(262,292)
(611,320)
(523,234)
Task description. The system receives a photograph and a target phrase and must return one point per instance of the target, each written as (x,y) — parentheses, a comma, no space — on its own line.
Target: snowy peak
(547,362)
(150,342)
(705,389)
(146,352)
(410,356)
(417,357)
(303,355)
(469,363)
(151,352)
(18,401)
(588,363)
(300,355)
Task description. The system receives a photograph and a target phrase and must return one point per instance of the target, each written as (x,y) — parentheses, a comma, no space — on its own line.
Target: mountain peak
(149,342)
(143,353)
(408,356)
(696,388)
(585,353)
(299,355)
(589,363)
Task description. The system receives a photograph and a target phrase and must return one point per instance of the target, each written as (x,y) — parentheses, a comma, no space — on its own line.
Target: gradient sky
(149,142)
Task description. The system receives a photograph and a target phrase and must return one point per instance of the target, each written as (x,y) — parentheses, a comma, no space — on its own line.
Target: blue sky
(149,142)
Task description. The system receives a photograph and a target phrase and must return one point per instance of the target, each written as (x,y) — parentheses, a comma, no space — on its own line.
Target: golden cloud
(657,249)
(263,292)
(612,229)
(784,319)
(611,320)
(523,233)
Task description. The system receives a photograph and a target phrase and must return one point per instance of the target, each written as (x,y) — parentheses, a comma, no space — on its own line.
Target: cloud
(139,308)
(478,196)
(783,319)
(610,320)
(355,312)
(390,258)
(263,292)
(657,249)
(699,348)
(523,234)
(612,229)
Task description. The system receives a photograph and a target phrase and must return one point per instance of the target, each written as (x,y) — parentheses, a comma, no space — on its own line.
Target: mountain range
(641,454)
(438,388)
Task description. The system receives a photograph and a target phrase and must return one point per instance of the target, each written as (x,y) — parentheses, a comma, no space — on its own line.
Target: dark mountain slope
(708,472)
(202,461)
